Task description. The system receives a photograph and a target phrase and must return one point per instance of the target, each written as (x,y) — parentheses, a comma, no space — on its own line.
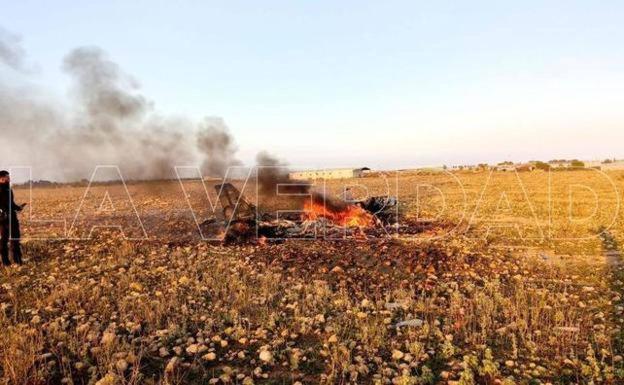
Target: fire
(349,216)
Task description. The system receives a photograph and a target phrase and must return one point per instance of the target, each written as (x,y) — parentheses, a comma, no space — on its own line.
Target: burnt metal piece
(235,206)
(382,207)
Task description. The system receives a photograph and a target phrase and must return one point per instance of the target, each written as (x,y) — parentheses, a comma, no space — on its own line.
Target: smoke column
(217,146)
(273,172)
(106,121)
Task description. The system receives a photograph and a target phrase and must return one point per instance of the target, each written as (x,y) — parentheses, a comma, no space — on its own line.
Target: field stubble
(515,291)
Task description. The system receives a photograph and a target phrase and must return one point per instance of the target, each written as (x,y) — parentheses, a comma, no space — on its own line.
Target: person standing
(9,224)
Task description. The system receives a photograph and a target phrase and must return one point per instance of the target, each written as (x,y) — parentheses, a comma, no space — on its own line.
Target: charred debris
(320,218)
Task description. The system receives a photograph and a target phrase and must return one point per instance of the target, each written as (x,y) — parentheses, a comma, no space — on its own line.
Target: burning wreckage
(320,216)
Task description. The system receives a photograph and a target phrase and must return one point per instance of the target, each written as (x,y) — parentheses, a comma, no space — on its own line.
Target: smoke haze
(106,121)
(11,52)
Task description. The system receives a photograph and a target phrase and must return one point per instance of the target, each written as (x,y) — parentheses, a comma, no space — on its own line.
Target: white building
(337,173)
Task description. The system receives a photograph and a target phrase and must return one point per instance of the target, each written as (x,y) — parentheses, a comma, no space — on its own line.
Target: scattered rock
(265,356)
(567,329)
(397,354)
(108,379)
(172,365)
(196,348)
(412,322)
(108,338)
(121,365)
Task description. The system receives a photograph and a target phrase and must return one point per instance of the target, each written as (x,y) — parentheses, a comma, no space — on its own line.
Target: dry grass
(486,306)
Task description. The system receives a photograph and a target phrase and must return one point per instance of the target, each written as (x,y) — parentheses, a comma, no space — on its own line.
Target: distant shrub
(542,166)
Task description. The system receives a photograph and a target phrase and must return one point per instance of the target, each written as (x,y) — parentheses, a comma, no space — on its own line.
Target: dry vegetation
(507,288)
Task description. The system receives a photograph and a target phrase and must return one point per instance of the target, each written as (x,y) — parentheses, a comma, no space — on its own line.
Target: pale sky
(339,83)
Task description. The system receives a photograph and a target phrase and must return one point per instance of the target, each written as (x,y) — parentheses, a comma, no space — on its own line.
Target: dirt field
(516,279)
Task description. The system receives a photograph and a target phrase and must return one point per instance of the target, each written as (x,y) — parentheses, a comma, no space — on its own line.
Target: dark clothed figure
(9,226)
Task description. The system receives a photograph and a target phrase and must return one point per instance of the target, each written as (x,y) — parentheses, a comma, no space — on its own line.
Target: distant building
(515,167)
(466,167)
(337,173)
(429,169)
(560,163)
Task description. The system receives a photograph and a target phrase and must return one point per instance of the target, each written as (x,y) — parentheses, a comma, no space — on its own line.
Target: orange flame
(350,216)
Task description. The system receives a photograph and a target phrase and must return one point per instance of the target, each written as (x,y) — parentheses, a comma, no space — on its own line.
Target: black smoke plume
(217,146)
(273,172)
(106,121)
(273,179)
